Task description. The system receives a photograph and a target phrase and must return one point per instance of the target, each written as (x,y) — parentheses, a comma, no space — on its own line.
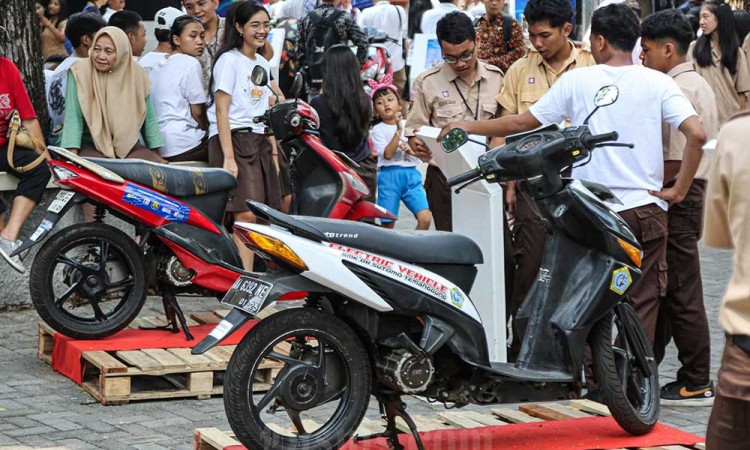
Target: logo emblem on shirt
(5,101)
(446,94)
(256,93)
(532,80)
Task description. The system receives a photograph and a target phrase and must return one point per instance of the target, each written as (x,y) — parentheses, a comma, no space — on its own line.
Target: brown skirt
(139,151)
(257,178)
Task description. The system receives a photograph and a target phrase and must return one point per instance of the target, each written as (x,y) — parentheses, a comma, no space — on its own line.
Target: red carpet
(67,353)
(573,434)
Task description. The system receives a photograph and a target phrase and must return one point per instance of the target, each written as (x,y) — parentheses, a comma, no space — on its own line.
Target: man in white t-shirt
(80,30)
(163,19)
(646,99)
(392,20)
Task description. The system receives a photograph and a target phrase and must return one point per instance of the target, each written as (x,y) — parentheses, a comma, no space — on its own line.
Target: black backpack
(320,37)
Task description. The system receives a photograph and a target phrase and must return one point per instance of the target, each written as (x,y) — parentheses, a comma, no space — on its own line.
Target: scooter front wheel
(295,365)
(626,370)
(88,281)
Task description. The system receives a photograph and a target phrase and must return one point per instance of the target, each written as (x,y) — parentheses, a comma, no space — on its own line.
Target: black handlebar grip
(594,139)
(466,176)
(258,119)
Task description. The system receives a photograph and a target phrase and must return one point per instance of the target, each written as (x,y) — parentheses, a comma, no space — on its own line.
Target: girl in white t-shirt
(398,178)
(178,95)
(235,142)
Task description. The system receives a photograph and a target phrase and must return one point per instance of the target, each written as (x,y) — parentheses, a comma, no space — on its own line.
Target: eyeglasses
(466,57)
(255,26)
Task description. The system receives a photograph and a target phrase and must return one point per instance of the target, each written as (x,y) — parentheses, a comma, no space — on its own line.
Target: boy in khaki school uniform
(552,55)
(666,38)
(726,226)
(461,88)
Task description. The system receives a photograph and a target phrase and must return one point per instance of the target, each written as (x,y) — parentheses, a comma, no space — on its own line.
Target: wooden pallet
(215,439)
(119,377)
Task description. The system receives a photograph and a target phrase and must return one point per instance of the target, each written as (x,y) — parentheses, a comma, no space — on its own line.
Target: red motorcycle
(90,280)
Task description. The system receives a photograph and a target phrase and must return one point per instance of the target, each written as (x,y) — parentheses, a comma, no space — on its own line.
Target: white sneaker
(24,253)
(6,248)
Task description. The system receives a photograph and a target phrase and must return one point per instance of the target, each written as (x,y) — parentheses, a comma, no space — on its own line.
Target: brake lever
(465,185)
(614,144)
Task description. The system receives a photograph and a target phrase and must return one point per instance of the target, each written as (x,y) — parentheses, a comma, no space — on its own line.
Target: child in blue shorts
(398,177)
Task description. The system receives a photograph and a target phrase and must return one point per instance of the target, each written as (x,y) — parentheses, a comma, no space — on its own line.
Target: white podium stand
(478,214)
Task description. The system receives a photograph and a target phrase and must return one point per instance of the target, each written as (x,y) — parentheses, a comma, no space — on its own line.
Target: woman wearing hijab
(107,104)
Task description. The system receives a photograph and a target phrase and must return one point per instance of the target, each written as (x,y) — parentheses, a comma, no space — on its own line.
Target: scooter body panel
(583,275)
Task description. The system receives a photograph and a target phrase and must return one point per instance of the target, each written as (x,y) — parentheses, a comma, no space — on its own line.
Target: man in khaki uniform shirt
(727,218)
(525,82)
(461,88)
(666,38)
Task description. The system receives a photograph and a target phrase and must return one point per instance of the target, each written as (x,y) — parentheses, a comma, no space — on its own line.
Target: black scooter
(387,312)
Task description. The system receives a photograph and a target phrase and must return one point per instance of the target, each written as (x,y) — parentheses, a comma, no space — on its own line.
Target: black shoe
(685,393)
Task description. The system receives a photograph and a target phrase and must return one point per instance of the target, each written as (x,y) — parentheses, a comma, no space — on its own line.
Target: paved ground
(41,409)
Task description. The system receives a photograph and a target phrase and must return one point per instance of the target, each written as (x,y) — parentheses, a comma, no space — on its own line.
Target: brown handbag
(18,136)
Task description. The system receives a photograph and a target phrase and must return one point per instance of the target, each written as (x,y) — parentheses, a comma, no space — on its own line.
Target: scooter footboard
(251,294)
(562,307)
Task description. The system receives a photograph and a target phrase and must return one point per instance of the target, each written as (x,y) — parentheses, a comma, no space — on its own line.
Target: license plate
(62,199)
(248,294)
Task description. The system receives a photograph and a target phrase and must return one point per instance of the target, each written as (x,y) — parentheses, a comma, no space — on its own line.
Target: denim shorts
(396,183)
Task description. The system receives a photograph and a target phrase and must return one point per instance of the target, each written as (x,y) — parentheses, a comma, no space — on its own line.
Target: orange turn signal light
(632,251)
(273,247)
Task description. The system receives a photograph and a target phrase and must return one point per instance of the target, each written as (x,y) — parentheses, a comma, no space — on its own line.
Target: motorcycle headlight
(370,73)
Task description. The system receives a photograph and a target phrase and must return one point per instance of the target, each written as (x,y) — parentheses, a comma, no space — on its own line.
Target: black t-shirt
(328,131)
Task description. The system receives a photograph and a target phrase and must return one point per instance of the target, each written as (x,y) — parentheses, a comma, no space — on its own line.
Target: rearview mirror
(259,76)
(454,140)
(297,85)
(606,96)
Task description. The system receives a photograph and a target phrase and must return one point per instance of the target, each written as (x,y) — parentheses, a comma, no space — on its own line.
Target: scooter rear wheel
(88,281)
(322,370)
(626,370)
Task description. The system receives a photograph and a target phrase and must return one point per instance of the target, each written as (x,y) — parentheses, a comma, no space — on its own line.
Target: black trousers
(30,184)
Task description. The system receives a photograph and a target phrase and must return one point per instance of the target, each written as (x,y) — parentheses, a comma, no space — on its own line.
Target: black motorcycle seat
(177,181)
(418,247)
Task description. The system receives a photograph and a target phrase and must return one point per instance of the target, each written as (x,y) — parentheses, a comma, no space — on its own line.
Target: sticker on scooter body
(45,226)
(621,280)
(155,203)
(457,298)
(248,294)
(414,276)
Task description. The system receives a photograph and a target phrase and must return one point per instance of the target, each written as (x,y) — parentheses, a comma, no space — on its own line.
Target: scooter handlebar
(594,139)
(466,176)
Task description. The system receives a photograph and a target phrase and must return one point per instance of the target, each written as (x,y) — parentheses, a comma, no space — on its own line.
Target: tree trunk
(21,43)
